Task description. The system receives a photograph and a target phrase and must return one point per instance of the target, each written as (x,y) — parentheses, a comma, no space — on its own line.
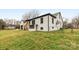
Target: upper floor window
(41,21)
(52,20)
(32,22)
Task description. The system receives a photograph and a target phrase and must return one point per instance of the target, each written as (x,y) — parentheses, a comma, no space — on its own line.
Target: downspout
(28,25)
(48,22)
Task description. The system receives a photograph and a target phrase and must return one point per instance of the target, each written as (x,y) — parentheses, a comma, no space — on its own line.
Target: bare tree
(31,14)
(2,24)
(65,23)
(75,22)
(71,26)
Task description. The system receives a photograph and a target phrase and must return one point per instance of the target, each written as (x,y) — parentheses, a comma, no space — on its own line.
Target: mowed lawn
(25,40)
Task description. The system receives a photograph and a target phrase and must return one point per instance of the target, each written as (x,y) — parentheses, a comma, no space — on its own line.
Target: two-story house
(46,22)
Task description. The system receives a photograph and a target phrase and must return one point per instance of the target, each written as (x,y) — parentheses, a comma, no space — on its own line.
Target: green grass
(25,40)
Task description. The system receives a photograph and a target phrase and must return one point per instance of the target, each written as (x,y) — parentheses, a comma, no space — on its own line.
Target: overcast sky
(17,13)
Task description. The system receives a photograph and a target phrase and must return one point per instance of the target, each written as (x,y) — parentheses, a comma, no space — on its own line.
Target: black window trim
(41,20)
(52,20)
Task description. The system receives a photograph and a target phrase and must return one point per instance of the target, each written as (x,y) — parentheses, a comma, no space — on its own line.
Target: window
(32,22)
(41,20)
(52,27)
(21,26)
(52,20)
(31,26)
(41,28)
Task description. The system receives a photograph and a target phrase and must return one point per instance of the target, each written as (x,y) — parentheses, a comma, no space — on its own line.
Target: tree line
(28,15)
(73,24)
(2,24)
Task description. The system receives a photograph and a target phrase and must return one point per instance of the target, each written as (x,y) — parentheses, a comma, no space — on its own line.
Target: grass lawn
(25,40)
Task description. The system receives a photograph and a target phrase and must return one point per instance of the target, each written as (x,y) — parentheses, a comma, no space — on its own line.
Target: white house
(46,22)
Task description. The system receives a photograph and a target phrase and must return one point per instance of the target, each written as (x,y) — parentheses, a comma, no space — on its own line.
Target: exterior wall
(44,24)
(59,17)
(52,24)
(21,25)
(60,20)
(56,26)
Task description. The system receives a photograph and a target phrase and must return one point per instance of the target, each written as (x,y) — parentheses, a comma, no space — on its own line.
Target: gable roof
(55,14)
(41,16)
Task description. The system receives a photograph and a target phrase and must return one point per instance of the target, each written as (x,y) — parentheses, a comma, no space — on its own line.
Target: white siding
(51,24)
(44,24)
(60,25)
(56,27)
(60,20)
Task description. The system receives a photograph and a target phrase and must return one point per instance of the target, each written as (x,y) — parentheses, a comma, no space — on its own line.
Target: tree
(17,26)
(31,14)
(2,24)
(65,23)
(75,22)
(70,25)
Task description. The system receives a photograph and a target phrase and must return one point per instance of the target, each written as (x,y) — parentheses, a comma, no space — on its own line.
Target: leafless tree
(75,22)
(2,24)
(31,14)
(65,23)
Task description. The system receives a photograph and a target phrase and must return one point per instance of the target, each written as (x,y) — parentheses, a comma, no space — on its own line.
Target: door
(36,27)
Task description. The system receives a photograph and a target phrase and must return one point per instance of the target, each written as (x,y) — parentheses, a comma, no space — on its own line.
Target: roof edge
(41,16)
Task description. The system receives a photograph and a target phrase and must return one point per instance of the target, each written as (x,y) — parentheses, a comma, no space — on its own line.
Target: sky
(18,13)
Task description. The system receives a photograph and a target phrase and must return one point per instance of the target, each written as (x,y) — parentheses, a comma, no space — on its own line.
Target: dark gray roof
(41,16)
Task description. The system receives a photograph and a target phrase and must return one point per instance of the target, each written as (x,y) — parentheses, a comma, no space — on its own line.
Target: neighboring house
(11,23)
(22,25)
(46,22)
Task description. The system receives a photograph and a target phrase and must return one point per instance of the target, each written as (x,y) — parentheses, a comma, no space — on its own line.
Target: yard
(25,40)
